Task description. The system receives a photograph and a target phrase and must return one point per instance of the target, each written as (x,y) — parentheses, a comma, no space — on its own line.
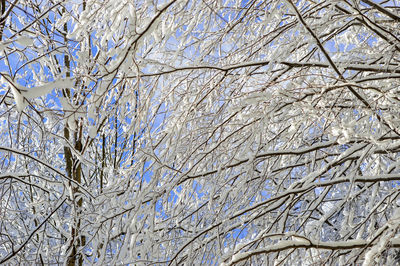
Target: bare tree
(199,132)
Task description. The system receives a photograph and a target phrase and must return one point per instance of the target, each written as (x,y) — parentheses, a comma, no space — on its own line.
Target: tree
(199,132)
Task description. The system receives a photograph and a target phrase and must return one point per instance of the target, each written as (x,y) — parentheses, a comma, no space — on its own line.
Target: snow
(38,91)
(92,131)
(71,122)
(24,41)
(299,242)
(232,117)
(20,102)
(22,94)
